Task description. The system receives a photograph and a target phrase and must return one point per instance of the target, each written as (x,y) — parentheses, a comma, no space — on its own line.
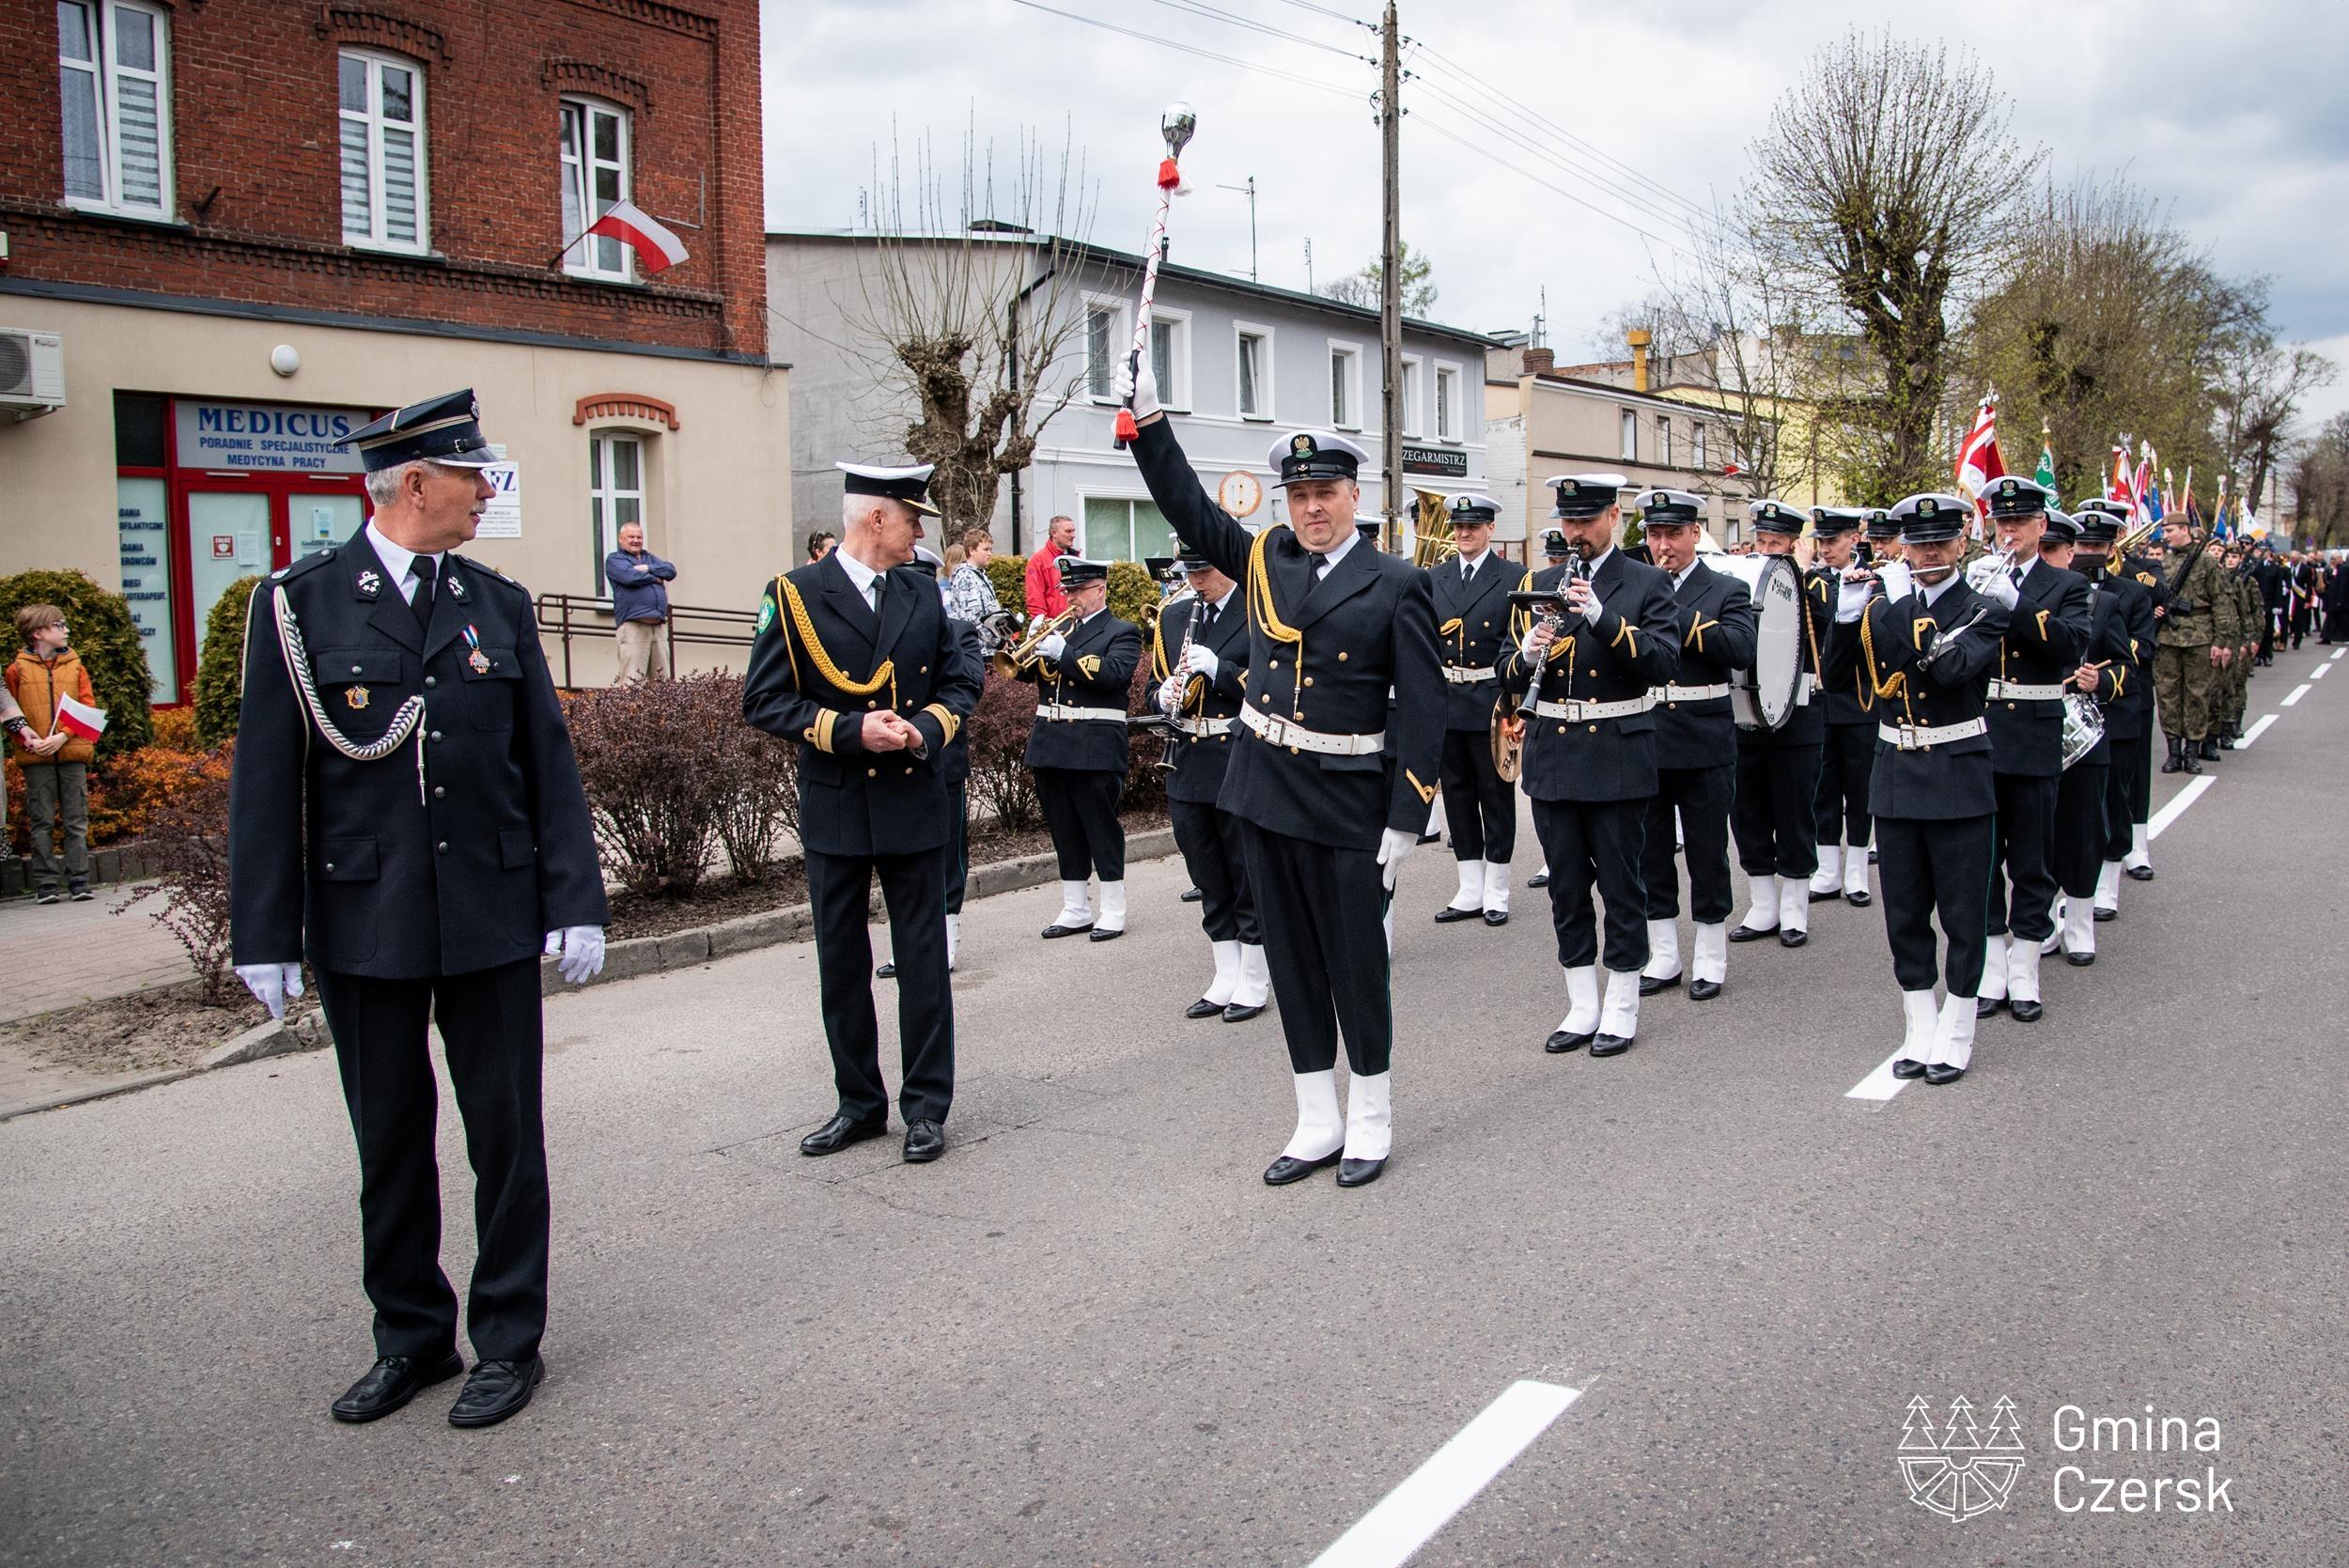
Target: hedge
(220,668)
(108,641)
(1131,590)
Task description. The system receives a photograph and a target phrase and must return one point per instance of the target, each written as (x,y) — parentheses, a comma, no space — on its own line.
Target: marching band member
(956,770)
(1078,748)
(2130,716)
(1847,756)
(1335,623)
(1589,754)
(1927,642)
(1775,813)
(1202,685)
(2046,641)
(1554,553)
(2106,670)
(1472,594)
(1696,750)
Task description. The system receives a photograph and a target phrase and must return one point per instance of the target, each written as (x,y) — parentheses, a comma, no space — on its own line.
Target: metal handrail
(569,615)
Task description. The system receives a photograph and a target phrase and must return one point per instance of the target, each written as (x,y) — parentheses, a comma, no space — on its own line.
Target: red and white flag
(1978,461)
(78,718)
(655,245)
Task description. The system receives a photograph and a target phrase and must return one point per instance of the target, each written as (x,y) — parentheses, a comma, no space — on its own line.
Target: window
(595,177)
(1412,423)
(383,173)
(615,493)
(1447,402)
(1119,529)
(1664,440)
(1630,437)
(1254,370)
(1696,445)
(1105,348)
(114,95)
(1345,387)
(1170,355)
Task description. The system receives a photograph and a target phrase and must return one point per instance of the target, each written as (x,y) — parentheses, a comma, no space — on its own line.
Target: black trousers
(1597,842)
(1209,840)
(1324,912)
(490,1035)
(2081,836)
(1081,809)
(913,887)
(1929,869)
(1845,765)
(1775,812)
(957,844)
(2128,791)
(1702,795)
(1479,807)
(2024,854)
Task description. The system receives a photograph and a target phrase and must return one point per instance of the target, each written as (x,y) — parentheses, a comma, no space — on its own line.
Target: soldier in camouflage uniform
(2251,618)
(2199,629)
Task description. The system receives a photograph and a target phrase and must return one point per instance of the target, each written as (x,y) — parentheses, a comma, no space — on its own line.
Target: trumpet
(1023,653)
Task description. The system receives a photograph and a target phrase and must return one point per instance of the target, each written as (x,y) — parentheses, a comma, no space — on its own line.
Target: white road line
(2317,673)
(2176,808)
(2297,693)
(2257,728)
(2336,653)
(1880,1084)
(1407,1517)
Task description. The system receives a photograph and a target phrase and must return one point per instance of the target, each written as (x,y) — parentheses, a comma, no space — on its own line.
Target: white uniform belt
(1203,727)
(1460,676)
(1577,712)
(1281,732)
(1687,693)
(2016,691)
(1914,738)
(1073,711)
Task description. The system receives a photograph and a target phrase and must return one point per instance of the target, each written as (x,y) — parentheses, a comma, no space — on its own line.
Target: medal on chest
(355,696)
(478,661)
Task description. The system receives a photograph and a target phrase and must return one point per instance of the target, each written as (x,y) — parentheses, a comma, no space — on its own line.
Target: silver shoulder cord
(404,722)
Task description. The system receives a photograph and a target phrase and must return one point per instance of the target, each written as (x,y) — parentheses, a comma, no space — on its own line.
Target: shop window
(595,178)
(384,184)
(114,96)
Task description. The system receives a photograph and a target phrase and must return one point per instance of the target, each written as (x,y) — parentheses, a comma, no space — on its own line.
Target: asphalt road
(1090,1335)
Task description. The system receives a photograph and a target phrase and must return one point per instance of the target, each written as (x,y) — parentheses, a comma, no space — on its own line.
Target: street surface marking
(2176,808)
(2318,673)
(2297,693)
(2259,728)
(2338,652)
(1413,1512)
(1880,1084)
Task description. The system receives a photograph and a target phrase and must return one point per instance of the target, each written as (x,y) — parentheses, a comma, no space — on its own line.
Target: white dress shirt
(401,562)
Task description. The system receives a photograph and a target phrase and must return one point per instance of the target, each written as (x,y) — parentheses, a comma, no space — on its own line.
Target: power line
(1192,48)
(1216,13)
(1325,10)
(1438,128)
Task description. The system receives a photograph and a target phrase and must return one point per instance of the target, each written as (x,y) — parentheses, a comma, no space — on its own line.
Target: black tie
(1206,620)
(1468,575)
(427,574)
(1321,569)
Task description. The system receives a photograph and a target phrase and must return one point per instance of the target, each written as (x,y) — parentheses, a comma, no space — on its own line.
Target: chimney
(1540,362)
(1638,337)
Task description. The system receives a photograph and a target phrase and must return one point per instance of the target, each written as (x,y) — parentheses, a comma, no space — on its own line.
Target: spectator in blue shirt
(640,607)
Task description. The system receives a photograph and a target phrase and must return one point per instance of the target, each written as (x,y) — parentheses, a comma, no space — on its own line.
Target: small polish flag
(79,720)
(654,245)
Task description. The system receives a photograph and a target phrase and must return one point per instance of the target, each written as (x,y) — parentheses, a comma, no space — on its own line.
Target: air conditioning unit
(32,372)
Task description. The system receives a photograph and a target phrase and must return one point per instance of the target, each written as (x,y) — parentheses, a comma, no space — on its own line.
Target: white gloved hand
(1999,587)
(1395,847)
(1851,602)
(1140,391)
(1171,695)
(1591,609)
(272,985)
(1201,661)
(1054,646)
(1897,582)
(581,951)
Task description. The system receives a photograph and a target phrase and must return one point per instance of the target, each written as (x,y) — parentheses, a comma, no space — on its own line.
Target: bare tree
(1367,288)
(2319,480)
(2261,386)
(1882,191)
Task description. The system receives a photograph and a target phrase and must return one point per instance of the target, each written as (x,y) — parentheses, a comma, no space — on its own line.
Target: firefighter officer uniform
(1472,594)
(1078,749)
(1776,812)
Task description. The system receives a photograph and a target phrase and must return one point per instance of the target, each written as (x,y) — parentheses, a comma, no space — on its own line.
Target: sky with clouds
(1621,122)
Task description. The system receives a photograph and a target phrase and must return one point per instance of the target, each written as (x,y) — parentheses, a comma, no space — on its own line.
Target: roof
(1551,378)
(998,234)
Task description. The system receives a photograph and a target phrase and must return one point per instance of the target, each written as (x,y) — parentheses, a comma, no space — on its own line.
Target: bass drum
(1766,695)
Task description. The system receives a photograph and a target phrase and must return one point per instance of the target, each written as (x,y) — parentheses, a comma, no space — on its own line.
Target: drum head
(1774,587)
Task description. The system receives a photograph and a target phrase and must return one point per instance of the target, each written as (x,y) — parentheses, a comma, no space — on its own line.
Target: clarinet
(1578,570)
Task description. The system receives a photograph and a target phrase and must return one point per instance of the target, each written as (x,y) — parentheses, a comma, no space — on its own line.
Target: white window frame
(581,260)
(1697,442)
(1414,417)
(605,493)
(1241,331)
(1352,354)
(376,240)
(1090,546)
(1175,387)
(1663,441)
(1453,429)
(108,73)
(1121,342)
(1628,421)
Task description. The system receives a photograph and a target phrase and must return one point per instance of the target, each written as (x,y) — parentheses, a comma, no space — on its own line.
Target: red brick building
(237,225)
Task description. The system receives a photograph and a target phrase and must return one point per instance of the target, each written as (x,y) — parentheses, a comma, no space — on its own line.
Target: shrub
(763,803)
(174,727)
(189,852)
(1009,574)
(999,780)
(129,793)
(220,668)
(653,785)
(108,641)
(1131,589)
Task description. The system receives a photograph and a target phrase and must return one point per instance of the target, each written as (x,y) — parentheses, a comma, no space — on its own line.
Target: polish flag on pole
(654,245)
(78,718)
(1978,461)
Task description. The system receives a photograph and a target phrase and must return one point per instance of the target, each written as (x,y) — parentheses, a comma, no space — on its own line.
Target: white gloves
(1054,646)
(1201,661)
(1142,390)
(272,985)
(1897,582)
(1395,847)
(1591,609)
(1998,585)
(581,949)
(1851,602)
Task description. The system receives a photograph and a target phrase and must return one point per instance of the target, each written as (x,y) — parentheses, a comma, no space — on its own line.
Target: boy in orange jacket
(56,770)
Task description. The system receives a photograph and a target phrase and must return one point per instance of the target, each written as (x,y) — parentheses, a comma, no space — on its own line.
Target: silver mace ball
(1178,126)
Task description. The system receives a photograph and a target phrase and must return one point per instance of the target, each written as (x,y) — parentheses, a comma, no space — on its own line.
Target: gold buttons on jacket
(872,773)
(1274,663)
(1309,680)
(1340,656)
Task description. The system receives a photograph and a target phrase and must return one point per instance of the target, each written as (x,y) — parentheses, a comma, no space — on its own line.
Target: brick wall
(257,171)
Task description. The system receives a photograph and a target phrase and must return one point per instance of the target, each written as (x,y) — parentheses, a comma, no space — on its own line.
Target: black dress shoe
(1651,984)
(1448,915)
(1539,879)
(1909,1067)
(2025,1012)
(496,1391)
(1496,917)
(1236,1013)
(887,972)
(841,1131)
(1750,933)
(1203,1008)
(1789,938)
(2137,873)
(1359,1172)
(1703,990)
(1610,1045)
(392,1382)
(1284,1171)
(1859,899)
(1827,897)
(924,1142)
(1560,1041)
(1941,1072)
(1101,936)
(2079,960)
(1056,930)
(1192,895)
(1984,1006)
(2103,915)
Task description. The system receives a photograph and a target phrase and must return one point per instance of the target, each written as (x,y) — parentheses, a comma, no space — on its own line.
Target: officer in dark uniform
(1847,756)
(1927,642)
(1696,750)
(1776,812)
(2132,772)
(1554,553)
(1472,594)
(855,658)
(956,772)
(2046,639)
(2128,744)
(1582,678)
(405,813)
(1199,653)
(1334,625)
(2109,668)
(1078,748)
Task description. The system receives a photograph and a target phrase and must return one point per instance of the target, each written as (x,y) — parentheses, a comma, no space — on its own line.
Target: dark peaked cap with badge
(1926,519)
(2061,528)
(1585,495)
(444,430)
(1471,510)
(1776,517)
(908,484)
(1076,571)
(2014,496)
(1831,521)
(1303,455)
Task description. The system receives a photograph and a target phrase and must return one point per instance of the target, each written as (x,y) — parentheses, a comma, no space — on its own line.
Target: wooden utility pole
(1391,269)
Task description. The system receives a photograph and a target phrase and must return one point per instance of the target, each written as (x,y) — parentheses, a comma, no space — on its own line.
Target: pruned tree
(1367,288)
(2318,476)
(2260,385)
(1881,192)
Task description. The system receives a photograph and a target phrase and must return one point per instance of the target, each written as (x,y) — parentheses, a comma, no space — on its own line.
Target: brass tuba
(1019,655)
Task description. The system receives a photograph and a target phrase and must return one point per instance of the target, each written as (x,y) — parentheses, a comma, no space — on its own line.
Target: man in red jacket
(1045,595)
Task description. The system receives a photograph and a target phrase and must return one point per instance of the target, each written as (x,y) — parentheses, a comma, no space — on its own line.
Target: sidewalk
(64,952)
